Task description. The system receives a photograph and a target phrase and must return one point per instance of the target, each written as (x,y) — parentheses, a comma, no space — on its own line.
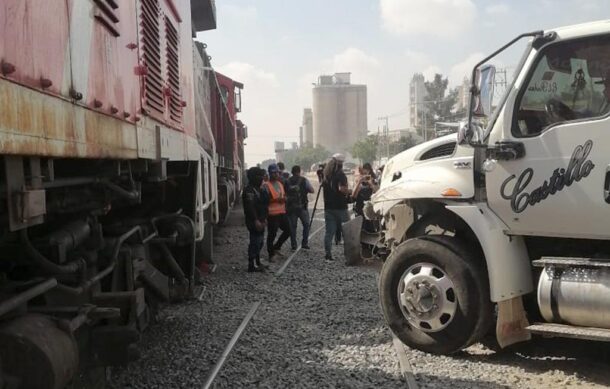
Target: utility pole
(386,135)
(425,127)
(387,138)
(378,145)
(500,83)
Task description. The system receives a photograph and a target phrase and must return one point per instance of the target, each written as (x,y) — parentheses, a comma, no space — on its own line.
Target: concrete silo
(339,112)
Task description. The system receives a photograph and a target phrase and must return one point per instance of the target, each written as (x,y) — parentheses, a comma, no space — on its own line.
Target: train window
(106,15)
(238,99)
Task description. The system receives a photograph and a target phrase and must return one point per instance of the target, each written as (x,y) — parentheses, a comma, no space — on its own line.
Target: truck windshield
(504,81)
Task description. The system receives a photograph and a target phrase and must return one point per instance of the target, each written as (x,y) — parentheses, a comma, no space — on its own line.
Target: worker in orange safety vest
(277,218)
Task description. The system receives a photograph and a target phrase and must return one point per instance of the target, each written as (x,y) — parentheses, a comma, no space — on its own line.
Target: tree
(265,164)
(366,149)
(308,156)
(304,157)
(439,103)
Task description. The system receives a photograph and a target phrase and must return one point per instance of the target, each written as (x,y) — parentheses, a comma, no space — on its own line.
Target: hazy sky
(277,48)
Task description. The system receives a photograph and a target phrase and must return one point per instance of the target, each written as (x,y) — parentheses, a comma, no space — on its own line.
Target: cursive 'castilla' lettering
(578,168)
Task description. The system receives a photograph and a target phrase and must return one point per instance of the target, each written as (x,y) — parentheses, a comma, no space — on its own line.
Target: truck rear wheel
(433,295)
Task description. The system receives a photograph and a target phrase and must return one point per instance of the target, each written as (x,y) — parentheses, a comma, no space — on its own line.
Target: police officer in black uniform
(255,204)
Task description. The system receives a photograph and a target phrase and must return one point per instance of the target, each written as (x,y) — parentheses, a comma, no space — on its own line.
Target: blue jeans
(294,216)
(333,219)
(257,238)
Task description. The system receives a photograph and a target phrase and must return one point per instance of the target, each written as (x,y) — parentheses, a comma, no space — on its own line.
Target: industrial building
(280,150)
(339,112)
(417,95)
(307,127)
(463,100)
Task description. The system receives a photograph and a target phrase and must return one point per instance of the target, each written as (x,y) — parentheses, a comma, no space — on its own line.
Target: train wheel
(433,296)
(37,353)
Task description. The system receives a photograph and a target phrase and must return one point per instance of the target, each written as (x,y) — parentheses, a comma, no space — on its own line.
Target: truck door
(560,185)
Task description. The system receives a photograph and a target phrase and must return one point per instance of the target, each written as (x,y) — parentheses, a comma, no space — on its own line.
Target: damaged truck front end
(415,187)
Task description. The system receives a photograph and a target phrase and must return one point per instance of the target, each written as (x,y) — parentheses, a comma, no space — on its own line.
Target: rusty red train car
(120,148)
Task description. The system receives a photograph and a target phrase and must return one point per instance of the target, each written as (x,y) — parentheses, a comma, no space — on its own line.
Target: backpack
(293,195)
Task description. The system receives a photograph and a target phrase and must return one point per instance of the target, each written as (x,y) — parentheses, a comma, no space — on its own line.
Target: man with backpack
(297,189)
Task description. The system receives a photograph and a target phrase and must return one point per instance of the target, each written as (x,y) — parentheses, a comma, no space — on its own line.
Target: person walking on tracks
(298,187)
(255,210)
(277,218)
(336,195)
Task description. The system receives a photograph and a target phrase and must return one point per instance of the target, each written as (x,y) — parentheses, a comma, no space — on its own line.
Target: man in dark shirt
(284,175)
(336,194)
(297,189)
(255,209)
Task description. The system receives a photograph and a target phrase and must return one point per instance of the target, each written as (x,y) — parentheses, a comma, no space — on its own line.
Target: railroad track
(246,320)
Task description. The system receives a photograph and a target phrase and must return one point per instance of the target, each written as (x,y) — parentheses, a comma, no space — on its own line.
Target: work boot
(252,268)
(260,264)
(329,257)
(305,246)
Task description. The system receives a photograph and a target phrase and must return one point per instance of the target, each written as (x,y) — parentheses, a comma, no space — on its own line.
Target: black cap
(254,172)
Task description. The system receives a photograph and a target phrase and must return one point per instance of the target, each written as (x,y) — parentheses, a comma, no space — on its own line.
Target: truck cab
(511,224)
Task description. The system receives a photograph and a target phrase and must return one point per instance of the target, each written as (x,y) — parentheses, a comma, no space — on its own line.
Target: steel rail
(219,364)
(406,370)
(285,265)
(232,343)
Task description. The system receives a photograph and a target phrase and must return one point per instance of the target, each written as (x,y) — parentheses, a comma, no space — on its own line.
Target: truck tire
(434,295)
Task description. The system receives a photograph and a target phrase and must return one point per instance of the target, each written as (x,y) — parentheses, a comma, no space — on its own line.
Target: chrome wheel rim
(427,297)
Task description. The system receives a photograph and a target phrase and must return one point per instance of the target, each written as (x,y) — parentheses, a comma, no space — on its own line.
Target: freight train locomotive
(119,149)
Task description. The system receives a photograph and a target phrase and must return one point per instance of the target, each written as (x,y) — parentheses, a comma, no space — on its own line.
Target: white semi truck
(509,220)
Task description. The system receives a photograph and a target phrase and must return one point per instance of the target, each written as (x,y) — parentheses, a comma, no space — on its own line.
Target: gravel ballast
(320,325)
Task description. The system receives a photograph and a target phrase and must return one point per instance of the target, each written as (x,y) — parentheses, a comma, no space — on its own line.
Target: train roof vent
(443,150)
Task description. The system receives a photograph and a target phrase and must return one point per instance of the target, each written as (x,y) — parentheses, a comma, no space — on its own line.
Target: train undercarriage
(118,239)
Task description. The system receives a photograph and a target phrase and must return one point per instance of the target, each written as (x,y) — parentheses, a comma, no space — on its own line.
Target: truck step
(571,261)
(567,331)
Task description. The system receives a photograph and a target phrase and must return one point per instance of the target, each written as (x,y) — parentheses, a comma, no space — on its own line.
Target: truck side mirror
(468,133)
(484,91)
(462,133)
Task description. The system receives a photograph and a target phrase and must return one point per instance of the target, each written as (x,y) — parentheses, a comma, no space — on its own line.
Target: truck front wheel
(434,296)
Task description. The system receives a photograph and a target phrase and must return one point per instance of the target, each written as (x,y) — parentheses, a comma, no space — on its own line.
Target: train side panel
(114,79)
(106,196)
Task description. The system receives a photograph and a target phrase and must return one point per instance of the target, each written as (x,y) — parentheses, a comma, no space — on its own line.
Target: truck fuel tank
(575,291)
